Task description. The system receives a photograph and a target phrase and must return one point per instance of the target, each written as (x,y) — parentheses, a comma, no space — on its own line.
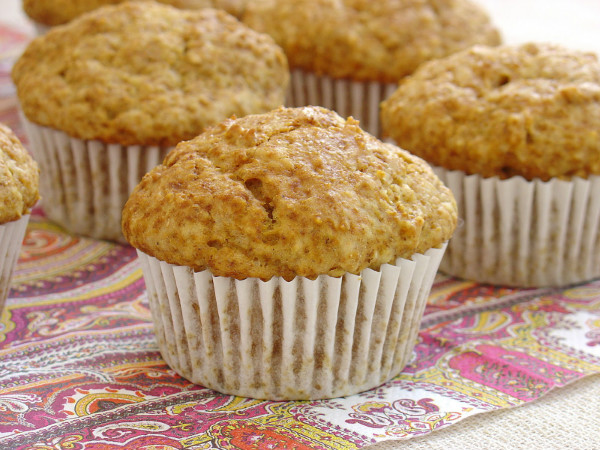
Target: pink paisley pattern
(80,368)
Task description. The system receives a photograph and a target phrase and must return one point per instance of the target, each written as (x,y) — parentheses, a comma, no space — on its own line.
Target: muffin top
(19,177)
(148,74)
(531,110)
(293,192)
(57,12)
(380,40)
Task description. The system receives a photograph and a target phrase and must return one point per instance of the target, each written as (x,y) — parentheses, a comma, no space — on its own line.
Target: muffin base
(524,233)
(297,340)
(85,183)
(348,98)
(11,239)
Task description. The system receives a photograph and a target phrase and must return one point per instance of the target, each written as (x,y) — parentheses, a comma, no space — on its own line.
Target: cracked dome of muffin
(378,40)
(531,110)
(19,177)
(293,192)
(145,73)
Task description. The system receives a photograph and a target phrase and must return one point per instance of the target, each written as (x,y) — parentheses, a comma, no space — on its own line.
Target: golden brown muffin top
(57,12)
(531,110)
(147,73)
(380,40)
(19,177)
(294,192)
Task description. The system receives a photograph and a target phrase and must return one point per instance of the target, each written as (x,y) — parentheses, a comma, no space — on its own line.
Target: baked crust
(375,40)
(294,192)
(148,74)
(19,177)
(58,12)
(531,110)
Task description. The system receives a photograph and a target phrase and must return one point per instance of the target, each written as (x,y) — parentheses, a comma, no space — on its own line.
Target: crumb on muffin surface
(148,74)
(19,177)
(531,110)
(294,192)
(375,40)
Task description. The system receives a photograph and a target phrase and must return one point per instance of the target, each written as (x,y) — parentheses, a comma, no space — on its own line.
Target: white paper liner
(279,340)
(11,239)
(524,233)
(348,98)
(85,183)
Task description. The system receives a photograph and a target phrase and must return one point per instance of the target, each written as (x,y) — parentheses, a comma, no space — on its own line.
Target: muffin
(18,194)
(514,132)
(107,95)
(49,13)
(258,226)
(349,55)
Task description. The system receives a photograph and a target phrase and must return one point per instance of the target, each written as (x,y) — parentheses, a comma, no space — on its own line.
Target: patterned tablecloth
(79,365)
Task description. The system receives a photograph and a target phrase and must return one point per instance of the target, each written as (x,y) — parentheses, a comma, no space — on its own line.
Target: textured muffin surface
(297,191)
(148,74)
(57,12)
(19,177)
(531,110)
(380,40)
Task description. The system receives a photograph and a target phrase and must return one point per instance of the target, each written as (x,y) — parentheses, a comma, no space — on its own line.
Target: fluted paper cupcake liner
(85,183)
(524,233)
(348,98)
(11,239)
(280,340)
